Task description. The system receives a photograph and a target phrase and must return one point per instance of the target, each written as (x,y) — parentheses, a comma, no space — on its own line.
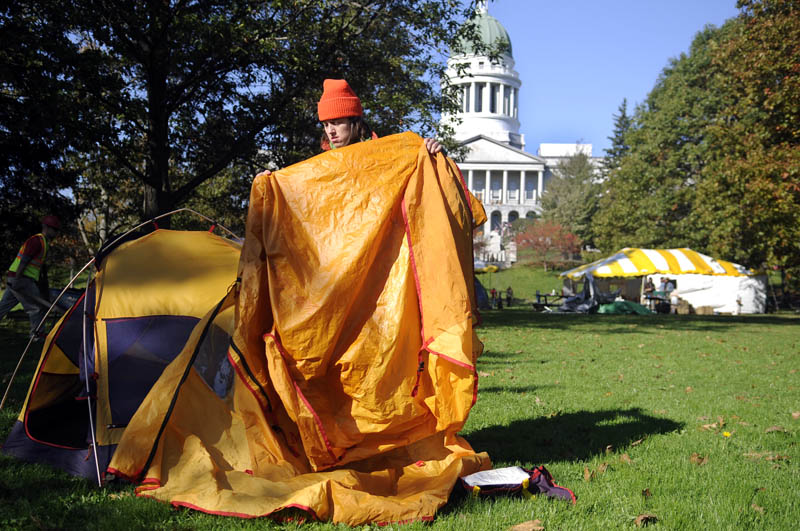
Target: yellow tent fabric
(352,348)
(165,272)
(634,262)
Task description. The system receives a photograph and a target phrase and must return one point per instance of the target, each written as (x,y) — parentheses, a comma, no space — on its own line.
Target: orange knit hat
(338,101)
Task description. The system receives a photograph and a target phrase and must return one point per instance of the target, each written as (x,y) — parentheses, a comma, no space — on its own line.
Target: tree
(649,199)
(750,198)
(34,134)
(572,194)
(548,242)
(714,158)
(619,147)
(174,93)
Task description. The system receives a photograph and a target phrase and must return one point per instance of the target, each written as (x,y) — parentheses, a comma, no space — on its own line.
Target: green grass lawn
(691,419)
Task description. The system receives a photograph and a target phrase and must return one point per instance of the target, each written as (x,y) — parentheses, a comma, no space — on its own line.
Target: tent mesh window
(212,362)
(138,351)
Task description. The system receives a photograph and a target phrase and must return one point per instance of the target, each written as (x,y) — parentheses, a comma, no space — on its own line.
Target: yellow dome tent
(108,350)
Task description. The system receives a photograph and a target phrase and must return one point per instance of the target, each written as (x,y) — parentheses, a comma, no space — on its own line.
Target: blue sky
(578,59)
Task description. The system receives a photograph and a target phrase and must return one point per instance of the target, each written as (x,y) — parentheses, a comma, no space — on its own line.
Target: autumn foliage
(549,242)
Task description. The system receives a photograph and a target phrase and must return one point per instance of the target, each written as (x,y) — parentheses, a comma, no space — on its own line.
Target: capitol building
(506,178)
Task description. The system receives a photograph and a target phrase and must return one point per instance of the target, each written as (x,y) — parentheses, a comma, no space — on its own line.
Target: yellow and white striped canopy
(632,262)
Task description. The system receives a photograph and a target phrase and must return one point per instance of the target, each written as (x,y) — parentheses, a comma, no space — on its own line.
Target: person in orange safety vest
(24,272)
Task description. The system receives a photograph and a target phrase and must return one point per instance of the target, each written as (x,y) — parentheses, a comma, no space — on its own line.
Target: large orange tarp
(352,345)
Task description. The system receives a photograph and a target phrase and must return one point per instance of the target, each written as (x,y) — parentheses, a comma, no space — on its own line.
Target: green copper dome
(490,31)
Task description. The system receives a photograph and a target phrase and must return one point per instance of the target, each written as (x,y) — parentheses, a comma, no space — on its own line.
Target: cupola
(488,90)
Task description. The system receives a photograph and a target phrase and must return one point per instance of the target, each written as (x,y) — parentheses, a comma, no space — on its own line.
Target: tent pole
(142,224)
(641,289)
(38,327)
(88,387)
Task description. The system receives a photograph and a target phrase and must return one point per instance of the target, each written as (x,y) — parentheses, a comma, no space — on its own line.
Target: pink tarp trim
(317,420)
(413,267)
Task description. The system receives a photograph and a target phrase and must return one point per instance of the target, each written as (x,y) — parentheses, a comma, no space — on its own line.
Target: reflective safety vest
(35,265)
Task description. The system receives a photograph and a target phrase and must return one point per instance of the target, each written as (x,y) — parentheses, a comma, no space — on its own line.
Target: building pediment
(484,149)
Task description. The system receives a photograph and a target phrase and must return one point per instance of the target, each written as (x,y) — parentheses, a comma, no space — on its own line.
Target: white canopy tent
(700,279)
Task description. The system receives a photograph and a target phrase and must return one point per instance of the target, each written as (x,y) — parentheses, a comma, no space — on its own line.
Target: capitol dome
(487,87)
(489,30)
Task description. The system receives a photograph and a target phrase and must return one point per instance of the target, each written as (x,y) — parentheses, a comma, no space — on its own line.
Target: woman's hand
(432,146)
(265,173)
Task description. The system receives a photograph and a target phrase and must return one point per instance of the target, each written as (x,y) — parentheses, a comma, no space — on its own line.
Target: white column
(504,197)
(522,187)
(469,180)
(487,189)
(516,103)
(472,97)
(540,186)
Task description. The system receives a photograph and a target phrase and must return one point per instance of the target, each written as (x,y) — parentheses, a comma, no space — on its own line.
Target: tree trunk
(156,203)
(157,187)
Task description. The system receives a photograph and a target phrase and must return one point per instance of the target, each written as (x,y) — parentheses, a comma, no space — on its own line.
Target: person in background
(662,285)
(509,296)
(649,287)
(669,286)
(24,273)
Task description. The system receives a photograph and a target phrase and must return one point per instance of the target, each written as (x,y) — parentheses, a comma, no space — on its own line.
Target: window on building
(479,96)
(493,97)
(497,220)
(507,101)
(480,65)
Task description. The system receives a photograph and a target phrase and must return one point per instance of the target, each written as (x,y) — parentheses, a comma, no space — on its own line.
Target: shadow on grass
(567,437)
(511,388)
(500,357)
(527,318)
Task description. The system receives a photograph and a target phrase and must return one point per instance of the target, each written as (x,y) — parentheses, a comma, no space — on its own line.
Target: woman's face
(339,131)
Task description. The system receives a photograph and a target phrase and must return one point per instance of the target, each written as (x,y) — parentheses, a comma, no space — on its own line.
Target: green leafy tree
(572,194)
(714,158)
(174,93)
(649,199)
(35,137)
(750,198)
